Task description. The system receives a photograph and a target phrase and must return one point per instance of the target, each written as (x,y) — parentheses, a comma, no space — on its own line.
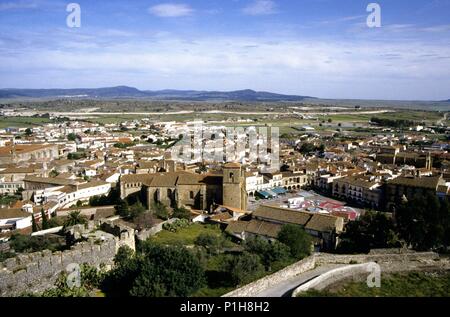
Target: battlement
(38,271)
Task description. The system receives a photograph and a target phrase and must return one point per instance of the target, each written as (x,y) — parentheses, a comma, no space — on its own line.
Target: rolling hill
(125,92)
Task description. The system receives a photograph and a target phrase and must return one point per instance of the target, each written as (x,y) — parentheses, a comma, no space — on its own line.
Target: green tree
(157,271)
(53,173)
(34,227)
(75,218)
(26,243)
(211,242)
(160,211)
(181,213)
(373,230)
(243,268)
(113,198)
(321,148)
(296,238)
(71,137)
(272,253)
(136,210)
(45,225)
(28,132)
(123,255)
(122,209)
(423,222)
(306,148)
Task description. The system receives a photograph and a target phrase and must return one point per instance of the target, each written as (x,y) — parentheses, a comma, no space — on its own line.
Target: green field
(185,236)
(414,284)
(22,122)
(419,116)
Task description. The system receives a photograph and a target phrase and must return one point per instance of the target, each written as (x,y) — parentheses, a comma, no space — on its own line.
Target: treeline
(422,223)
(393,123)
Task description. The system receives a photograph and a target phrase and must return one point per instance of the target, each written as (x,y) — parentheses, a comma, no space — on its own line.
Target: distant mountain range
(124,92)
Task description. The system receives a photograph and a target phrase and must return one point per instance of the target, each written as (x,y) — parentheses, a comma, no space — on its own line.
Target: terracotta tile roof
(18,170)
(172,179)
(324,223)
(312,221)
(283,215)
(11,213)
(49,180)
(196,179)
(258,227)
(232,165)
(23,148)
(167,180)
(93,183)
(424,182)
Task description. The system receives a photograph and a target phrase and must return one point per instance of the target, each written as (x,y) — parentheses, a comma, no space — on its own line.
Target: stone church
(196,191)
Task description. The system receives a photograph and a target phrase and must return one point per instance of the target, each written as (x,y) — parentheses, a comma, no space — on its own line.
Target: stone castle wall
(38,271)
(390,260)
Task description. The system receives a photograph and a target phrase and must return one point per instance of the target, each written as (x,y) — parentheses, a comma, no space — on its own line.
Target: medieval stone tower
(234,193)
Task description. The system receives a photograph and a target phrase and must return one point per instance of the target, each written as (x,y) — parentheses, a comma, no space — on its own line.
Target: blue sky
(308,47)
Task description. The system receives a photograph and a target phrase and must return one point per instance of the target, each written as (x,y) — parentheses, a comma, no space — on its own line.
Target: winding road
(285,288)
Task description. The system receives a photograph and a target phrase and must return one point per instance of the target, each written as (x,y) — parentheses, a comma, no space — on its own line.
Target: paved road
(284,289)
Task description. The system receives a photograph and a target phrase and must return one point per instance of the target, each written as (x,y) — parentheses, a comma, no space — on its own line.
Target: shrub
(211,242)
(160,211)
(176,225)
(244,268)
(181,213)
(296,238)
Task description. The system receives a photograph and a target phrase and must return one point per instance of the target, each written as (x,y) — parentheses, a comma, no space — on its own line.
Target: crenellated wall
(38,271)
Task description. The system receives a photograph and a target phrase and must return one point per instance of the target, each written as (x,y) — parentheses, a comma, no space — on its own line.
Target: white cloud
(171,10)
(345,69)
(316,68)
(260,7)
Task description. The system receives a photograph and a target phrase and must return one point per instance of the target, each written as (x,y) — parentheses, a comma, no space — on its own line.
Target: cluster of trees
(422,223)
(71,137)
(75,218)
(76,156)
(45,224)
(259,256)
(25,244)
(392,123)
(113,198)
(130,212)
(155,271)
(123,145)
(306,148)
(373,230)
